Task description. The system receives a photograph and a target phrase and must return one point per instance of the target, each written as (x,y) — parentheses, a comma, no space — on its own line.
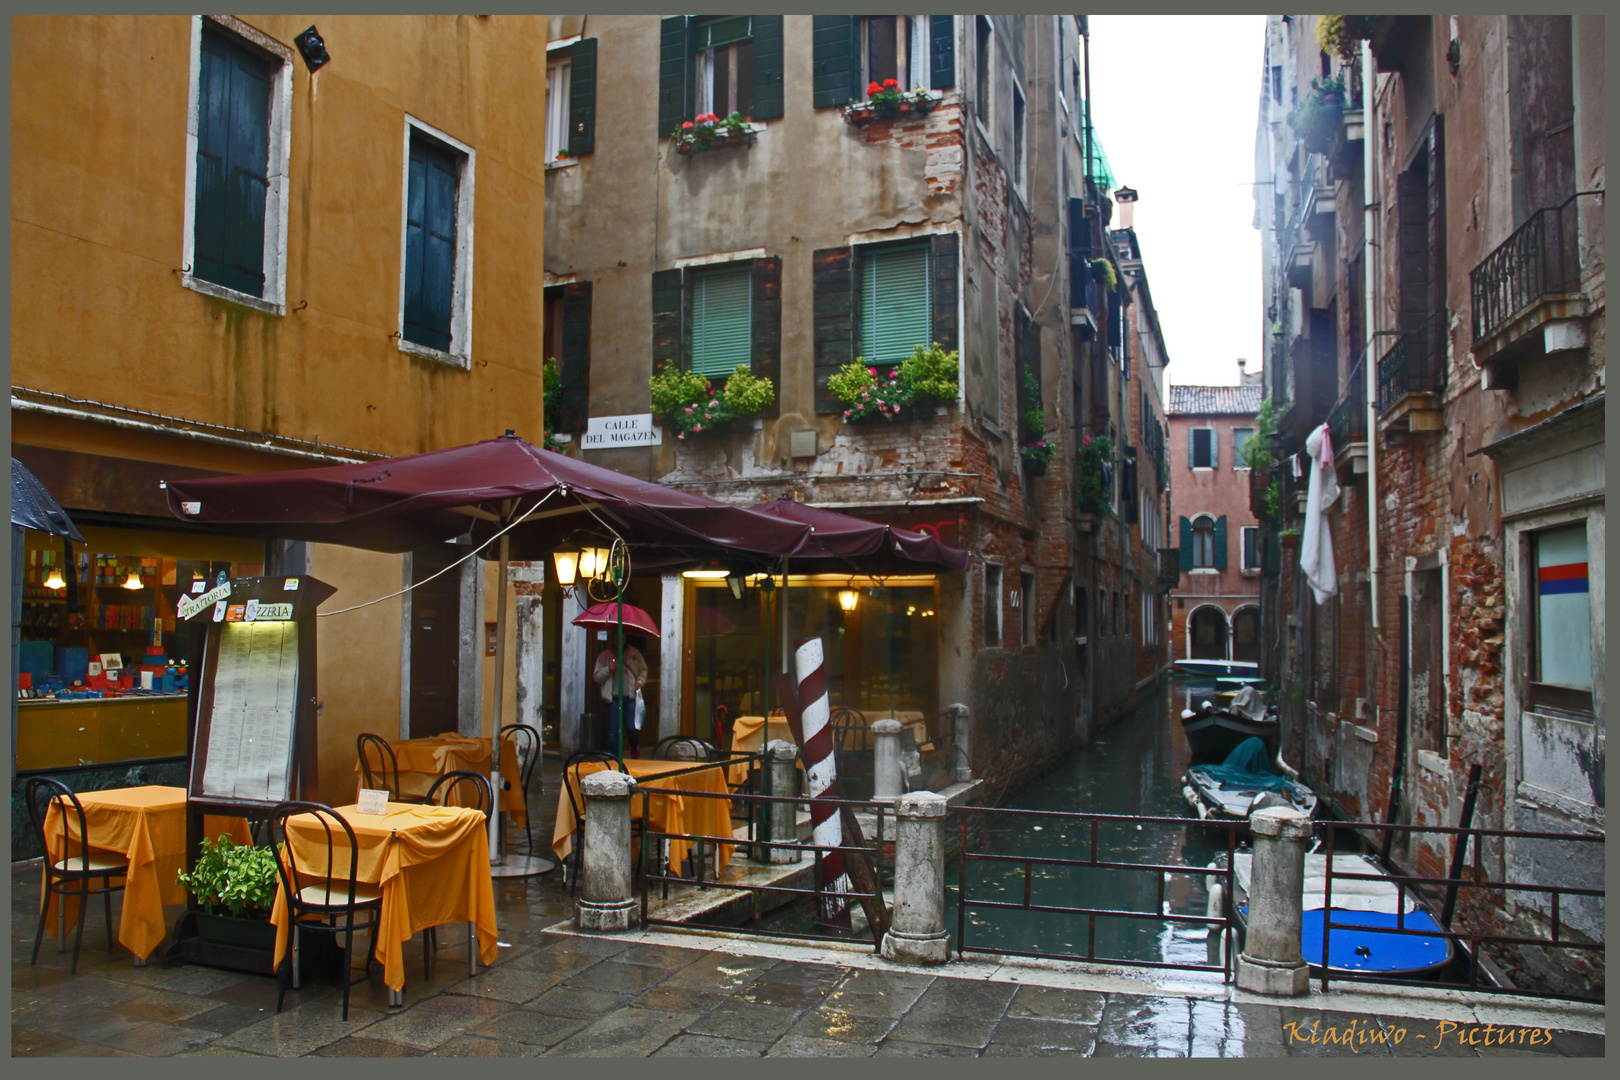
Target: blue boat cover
(1385,952)
(1246,768)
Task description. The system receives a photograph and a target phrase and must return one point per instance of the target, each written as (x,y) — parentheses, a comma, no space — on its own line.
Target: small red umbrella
(713,623)
(605,616)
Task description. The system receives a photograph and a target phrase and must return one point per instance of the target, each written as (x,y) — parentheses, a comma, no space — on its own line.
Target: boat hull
(1216,667)
(1213,735)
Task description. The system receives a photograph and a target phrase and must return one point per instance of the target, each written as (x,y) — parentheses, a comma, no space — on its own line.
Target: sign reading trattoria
(604,432)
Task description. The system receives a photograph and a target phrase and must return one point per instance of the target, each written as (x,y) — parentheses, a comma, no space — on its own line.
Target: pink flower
(689,410)
(687,126)
(1088,441)
(894,373)
(680,435)
(873,371)
(846,414)
(697,427)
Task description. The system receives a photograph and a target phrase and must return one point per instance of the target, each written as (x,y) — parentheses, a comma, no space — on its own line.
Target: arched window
(1203,538)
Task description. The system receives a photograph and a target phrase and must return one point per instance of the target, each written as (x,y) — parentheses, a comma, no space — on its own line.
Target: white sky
(1175,100)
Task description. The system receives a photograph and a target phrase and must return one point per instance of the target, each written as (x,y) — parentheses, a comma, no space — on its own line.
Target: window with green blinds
(721,323)
(896,304)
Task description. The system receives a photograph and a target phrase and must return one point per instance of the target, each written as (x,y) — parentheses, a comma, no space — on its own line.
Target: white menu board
(250,737)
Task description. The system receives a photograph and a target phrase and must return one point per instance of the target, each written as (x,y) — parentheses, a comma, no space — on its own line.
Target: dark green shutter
(835,52)
(946,248)
(674,75)
(233,166)
(430,245)
(767,67)
(721,324)
(1192,448)
(1186,544)
(1214,449)
(667,332)
(1079,253)
(575,360)
(767,331)
(942,54)
(896,303)
(832,288)
(582,98)
(1220,542)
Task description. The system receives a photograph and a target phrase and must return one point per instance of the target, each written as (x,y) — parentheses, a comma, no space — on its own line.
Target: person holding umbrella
(622,710)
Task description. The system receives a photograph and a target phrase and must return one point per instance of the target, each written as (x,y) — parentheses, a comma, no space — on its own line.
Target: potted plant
(1316,117)
(1342,35)
(1093,479)
(1036,450)
(235,886)
(707,131)
(886,100)
(928,374)
(691,404)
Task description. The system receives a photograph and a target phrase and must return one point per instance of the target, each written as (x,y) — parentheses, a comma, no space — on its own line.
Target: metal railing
(1453,887)
(1416,363)
(658,875)
(1093,861)
(1541,258)
(1170,566)
(1347,423)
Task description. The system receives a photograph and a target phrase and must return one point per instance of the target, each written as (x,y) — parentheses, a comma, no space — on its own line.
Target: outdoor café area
(456,843)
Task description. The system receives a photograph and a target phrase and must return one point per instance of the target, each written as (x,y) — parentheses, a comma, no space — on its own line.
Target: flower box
(886,102)
(710,132)
(1034,467)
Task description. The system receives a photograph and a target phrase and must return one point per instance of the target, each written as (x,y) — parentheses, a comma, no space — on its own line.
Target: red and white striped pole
(821,777)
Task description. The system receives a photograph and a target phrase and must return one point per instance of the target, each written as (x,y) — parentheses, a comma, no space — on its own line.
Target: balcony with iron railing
(1533,278)
(1411,378)
(1347,426)
(1169,568)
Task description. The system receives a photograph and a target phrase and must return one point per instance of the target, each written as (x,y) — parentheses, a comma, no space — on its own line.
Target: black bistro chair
(385,775)
(481,798)
(525,742)
(71,874)
(852,748)
(684,748)
(326,896)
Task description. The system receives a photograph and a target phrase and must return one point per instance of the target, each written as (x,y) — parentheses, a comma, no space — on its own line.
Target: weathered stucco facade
(126,368)
(1436,290)
(985,178)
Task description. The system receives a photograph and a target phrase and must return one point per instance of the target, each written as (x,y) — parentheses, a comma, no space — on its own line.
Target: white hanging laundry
(1316,545)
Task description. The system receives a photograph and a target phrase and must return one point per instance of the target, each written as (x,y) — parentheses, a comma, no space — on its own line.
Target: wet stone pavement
(564,994)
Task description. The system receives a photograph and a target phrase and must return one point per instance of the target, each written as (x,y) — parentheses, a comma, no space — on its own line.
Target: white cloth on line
(1316,545)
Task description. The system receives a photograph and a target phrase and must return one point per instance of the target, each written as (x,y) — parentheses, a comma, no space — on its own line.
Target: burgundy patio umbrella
(538,497)
(852,541)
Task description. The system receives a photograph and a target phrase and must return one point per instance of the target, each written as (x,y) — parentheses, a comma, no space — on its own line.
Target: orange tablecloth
(422,761)
(669,813)
(147,826)
(745,739)
(432,863)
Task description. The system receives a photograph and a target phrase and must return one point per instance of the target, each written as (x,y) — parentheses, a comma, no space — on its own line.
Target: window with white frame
(436,244)
(894,47)
(1561,620)
(992,604)
(235,236)
(1251,547)
(1203,542)
(725,66)
(1240,439)
(559,71)
(1202,452)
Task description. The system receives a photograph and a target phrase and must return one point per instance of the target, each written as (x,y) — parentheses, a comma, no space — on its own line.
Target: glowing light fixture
(734,582)
(133,581)
(54,579)
(848,598)
(706,575)
(567,563)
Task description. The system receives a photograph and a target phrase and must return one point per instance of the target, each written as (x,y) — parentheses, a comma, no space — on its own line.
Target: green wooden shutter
(766,348)
(835,50)
(674,75)
(1186,544)
(668,333)
(1214,449)
(767,67)
(1192,448)
(1220,542)
(582,98)
(721,324)
(833,300)
(575,360)
(942,54)
(430,245)
(946,247)
(896,303)
(233,166)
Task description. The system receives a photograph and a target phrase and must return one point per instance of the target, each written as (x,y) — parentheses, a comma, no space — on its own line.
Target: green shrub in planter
(234,879)
(1316,118)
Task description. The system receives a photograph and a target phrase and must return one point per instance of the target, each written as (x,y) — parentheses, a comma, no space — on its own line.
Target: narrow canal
(1133,768)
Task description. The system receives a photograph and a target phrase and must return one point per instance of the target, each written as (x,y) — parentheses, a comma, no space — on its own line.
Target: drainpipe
(1369,160)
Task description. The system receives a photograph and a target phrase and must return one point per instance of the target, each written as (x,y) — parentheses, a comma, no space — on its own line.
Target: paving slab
(709,1046)
(435,1021)
(1044,1034)
(743,1020)
(1057,1003)
(296,1032)
(829,1023)
(628,1032)
(802,1046)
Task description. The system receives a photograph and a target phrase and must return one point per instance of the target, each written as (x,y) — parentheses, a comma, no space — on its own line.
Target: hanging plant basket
(1034,467)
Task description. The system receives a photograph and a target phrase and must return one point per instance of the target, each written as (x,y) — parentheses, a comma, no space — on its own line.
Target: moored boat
(1241,784)
(1215,667)
(1214,731)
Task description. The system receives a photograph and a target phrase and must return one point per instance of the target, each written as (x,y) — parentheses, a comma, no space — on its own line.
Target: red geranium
(890,84)
(873,88)
(687,126)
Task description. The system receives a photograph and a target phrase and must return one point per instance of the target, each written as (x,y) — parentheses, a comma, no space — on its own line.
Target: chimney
(1126,199)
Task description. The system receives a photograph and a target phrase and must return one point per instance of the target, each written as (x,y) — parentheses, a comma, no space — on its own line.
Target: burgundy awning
(852,543)
(408,503)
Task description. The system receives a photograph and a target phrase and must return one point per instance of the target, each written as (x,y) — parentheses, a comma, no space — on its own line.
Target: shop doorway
(435,613)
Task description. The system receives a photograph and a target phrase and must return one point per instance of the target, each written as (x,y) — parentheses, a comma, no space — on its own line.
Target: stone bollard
(780,756)
(886,772)
(961,763)
(1271,962)
(917,933)
(607,893)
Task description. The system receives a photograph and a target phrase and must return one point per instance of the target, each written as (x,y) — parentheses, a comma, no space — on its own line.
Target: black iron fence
(1447,895)
(1541,258)
(653,872)
(1347,423)
(991,895)
(1415,364)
